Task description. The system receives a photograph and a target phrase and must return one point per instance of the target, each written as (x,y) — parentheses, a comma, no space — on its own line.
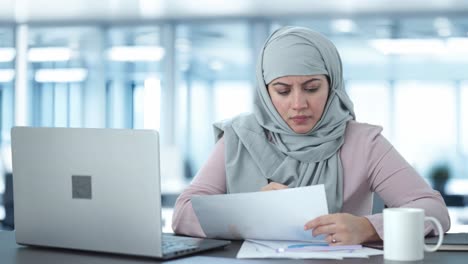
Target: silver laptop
(92,189)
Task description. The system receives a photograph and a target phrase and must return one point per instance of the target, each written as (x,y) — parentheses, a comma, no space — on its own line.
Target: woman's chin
(301,129)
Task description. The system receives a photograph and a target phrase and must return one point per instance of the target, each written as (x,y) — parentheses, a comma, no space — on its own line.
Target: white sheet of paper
(250,249)
(271,215)
(298,246)
(253,250)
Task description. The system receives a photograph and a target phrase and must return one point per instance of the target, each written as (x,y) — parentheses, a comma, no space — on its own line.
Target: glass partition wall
(95,76)
(407,76)
(61,64)
(7,79)
(215,66)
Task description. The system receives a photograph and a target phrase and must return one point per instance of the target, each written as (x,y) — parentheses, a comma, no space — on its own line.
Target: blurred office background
(179,65)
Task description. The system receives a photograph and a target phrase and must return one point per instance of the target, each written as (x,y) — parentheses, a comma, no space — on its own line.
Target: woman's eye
(312,89)
(283,92)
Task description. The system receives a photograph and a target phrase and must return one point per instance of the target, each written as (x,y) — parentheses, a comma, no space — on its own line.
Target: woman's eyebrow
(280,83)
(311,80)
(304,83)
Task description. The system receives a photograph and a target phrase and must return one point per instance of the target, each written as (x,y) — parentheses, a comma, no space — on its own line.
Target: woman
(302,132)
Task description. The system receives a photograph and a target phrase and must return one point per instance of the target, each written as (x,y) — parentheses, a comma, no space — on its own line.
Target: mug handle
(440,231)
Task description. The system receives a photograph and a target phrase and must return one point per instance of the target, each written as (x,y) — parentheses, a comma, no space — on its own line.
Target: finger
(278,186)
(334,240)
(337,242)
(329,239)
(324,230)
(273,186)
(268,187)
(321,220)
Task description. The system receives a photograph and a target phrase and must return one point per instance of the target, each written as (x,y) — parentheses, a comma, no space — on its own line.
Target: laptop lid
(88,189)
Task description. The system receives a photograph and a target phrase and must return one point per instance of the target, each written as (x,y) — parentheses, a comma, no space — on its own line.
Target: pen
(317,247)
(307,245)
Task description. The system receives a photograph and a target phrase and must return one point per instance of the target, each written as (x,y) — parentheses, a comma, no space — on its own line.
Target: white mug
(404,234)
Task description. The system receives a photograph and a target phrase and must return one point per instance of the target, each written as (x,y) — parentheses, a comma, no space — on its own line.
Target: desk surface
(11,253)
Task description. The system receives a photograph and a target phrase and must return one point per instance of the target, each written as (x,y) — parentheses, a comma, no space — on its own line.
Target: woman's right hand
(273,186)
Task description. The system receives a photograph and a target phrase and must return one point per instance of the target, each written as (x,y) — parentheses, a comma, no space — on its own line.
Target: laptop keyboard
(172,243)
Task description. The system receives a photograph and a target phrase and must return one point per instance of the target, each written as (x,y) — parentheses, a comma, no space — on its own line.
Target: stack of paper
(302,250)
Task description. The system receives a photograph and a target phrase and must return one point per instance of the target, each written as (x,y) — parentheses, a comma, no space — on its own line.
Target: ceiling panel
(118,10)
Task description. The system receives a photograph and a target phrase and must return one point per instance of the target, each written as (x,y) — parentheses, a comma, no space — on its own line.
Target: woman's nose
(299,101)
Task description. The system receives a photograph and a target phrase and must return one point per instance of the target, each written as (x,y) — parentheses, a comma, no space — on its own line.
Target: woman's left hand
(343,229)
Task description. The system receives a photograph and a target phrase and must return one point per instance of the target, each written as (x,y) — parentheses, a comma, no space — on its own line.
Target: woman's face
(300,100)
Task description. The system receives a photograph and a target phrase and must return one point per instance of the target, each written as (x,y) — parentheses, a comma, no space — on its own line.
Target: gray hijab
(261,147)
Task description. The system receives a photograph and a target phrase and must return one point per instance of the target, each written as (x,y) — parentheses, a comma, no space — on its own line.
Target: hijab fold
(261,147)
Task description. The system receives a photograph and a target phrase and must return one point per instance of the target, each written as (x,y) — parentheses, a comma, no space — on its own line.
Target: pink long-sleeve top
(370,164)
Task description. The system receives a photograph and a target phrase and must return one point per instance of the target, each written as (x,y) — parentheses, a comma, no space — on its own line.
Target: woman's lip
(300,119)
